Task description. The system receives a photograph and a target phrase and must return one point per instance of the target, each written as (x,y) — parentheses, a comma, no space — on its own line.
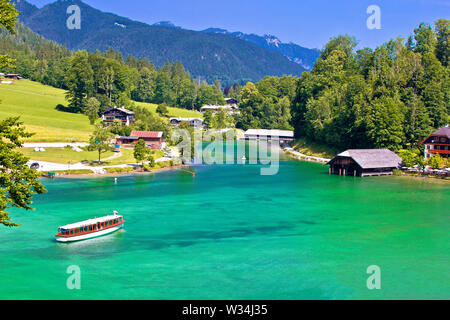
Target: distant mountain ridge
(295,53)
(207,56)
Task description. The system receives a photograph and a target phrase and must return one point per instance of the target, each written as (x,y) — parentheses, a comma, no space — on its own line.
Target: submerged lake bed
(230,233)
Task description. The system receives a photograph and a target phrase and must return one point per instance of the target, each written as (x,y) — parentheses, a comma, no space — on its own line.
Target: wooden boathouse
(365,162)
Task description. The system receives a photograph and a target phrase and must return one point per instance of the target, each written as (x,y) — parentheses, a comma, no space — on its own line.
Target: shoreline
(425,177)
(291,152)
(301,157)
(106,175)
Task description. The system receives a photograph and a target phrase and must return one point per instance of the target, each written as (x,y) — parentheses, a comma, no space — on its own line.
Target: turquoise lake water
(230,233)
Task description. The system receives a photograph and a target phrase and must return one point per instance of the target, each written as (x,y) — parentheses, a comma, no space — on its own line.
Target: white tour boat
(89,229)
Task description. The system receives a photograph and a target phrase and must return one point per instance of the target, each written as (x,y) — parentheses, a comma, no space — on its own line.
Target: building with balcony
(122,114)
(438,143)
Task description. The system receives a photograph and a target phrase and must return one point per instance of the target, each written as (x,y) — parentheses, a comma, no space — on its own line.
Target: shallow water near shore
(230,233)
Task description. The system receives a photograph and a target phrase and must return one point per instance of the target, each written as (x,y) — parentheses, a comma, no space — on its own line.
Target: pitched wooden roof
(146,134)
(445,131)
(372,158)
(268,133)
(121,109)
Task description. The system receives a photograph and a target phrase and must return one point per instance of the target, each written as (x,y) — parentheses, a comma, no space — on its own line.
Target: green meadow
(63,155)
(36,105)
(173,112)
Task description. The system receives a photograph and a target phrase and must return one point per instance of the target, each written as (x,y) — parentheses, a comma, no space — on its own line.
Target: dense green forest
(206,56)
(266,104)
(391,97)
(104,75)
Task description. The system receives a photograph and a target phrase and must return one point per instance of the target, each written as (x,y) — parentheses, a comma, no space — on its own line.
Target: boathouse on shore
(365,162)
(264,134)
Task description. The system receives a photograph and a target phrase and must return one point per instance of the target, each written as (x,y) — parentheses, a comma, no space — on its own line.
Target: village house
(122,114)
(153,139)
(230,107)
(365,162)
(13,76)
(264,134)
(438,143)
(231,101)
(193,122)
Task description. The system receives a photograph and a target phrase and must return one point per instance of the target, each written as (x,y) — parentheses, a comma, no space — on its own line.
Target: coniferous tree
(80,82)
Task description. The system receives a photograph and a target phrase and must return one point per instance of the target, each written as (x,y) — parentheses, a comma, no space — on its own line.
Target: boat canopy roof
(89,222)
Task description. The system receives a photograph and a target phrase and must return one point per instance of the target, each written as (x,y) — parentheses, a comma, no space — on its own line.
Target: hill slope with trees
(208,57)
(390,97)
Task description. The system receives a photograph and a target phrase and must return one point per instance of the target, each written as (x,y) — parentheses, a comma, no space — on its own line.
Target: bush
(119,170)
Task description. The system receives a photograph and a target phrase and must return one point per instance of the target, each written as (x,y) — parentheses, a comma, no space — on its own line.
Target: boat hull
(92,235)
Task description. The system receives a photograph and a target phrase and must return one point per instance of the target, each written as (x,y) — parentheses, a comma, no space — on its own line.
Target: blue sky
(309,23)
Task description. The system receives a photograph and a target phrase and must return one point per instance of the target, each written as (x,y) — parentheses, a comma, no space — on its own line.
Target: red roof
(146,134)
(442,132)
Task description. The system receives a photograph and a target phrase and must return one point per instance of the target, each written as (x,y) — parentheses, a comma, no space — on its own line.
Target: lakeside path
(51,166)
(300,156)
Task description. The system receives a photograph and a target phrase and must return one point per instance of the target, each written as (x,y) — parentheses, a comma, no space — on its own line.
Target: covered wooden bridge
(365,162)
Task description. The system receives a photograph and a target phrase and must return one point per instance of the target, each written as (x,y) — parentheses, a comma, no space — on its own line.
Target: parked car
(35,166)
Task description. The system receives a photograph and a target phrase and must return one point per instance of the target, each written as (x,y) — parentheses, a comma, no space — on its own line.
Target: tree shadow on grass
(63,108)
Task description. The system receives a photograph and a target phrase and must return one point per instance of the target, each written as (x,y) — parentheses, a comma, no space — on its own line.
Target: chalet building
(365,162)
(122,114)
(153,139)
(231,101)
(229,108)
(438,143)
(193,122)
(263,134)
(13,76)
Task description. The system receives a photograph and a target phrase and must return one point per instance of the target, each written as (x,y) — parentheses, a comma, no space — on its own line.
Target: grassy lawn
(173,112)
(126,158)
(63,155)
(313,149)
(35,104)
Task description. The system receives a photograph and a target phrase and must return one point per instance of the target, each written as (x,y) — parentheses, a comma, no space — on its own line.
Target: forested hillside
(104,76)
(208,57)
(388,97)
(391,97)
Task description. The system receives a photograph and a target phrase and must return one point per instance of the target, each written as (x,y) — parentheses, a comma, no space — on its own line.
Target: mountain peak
(272,40)
(226,57)
(165,24)
(216,30)
(295,53)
